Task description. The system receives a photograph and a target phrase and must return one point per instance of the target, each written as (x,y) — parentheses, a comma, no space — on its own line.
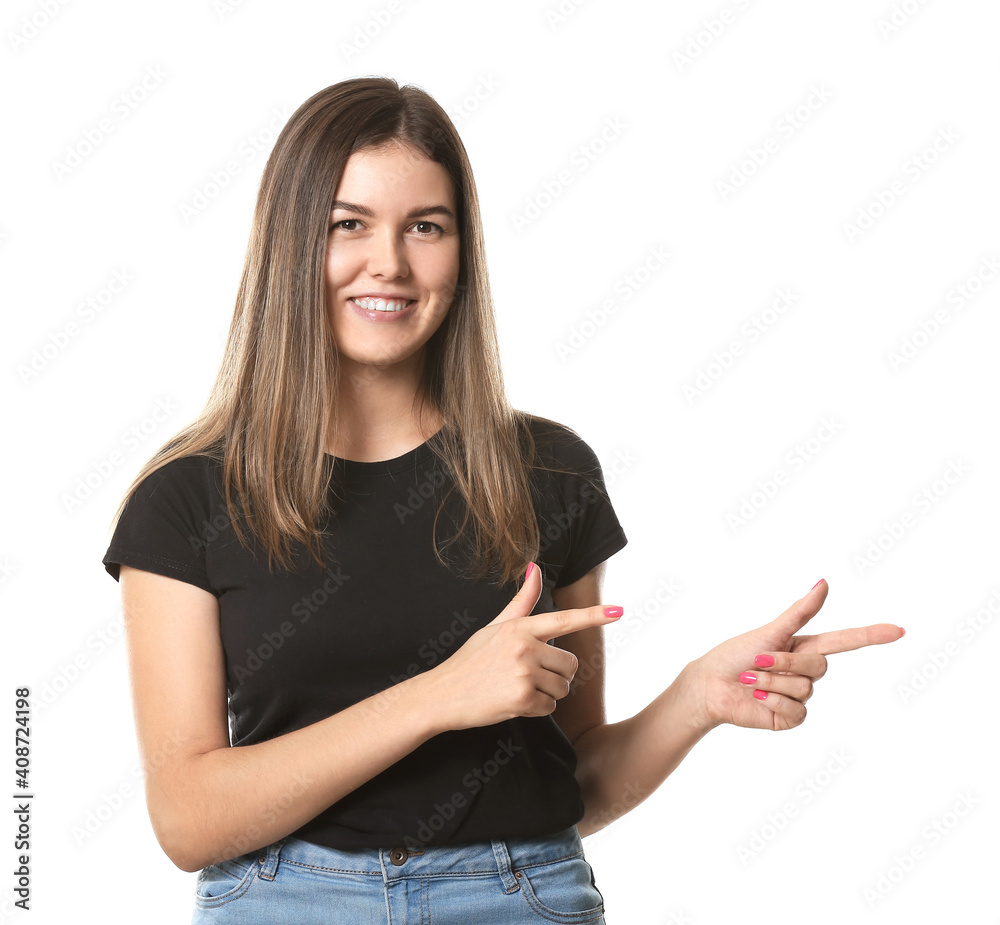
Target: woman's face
(392,256)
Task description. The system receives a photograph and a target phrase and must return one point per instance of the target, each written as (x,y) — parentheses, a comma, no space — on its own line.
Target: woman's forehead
(396,178)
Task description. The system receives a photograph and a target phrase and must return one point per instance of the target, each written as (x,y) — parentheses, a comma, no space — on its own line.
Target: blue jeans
(295,882)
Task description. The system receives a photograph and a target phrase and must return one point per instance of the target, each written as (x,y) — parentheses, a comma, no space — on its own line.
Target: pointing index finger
(545,626)
(844,640)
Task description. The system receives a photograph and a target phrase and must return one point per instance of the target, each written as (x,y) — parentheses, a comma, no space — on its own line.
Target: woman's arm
(618,764)
(208,801)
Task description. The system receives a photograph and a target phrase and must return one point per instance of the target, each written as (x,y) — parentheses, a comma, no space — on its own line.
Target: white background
(853,110)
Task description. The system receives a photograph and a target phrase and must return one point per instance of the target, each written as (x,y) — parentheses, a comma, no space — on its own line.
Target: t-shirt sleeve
(579,526)
(162,527)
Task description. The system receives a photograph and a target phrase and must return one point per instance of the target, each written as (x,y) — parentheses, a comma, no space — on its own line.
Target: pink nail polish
(531,567)
(818,583)
(760,695)
(764,661)
(902,632)
(613,612)
(748,677)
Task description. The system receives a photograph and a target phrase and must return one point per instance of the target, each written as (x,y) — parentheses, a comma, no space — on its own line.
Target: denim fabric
(294,882)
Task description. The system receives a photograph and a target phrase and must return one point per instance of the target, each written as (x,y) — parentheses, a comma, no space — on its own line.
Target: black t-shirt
(303,644)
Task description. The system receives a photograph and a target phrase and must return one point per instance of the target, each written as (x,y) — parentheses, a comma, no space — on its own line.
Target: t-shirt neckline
(406,461)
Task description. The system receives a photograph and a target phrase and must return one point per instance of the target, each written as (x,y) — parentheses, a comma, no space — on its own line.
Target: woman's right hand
(507,669)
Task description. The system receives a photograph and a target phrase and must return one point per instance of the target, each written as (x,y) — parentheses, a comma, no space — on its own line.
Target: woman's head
(285,300)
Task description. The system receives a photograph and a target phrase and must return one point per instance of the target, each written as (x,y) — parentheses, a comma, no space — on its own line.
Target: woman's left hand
(763,678)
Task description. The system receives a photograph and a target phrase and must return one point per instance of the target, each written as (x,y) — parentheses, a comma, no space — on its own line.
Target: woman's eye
(422,228)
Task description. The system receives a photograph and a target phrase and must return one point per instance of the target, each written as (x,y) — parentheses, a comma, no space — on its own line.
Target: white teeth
(381,305)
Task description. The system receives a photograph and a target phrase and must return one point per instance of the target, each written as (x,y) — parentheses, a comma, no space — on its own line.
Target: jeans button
(398,856)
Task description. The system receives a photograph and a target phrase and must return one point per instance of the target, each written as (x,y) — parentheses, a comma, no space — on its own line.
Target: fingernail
(902,632)
(764,661)
(748,677)
(818,583)
(613,612)
(531,567)
(760,695)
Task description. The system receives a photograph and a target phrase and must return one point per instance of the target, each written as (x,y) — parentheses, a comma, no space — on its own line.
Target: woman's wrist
(692,697)
(420,698)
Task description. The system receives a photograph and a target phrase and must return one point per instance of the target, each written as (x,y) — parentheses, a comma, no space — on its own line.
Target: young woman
(359,588)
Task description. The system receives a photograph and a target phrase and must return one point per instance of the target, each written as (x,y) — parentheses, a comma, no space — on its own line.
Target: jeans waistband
(500,857)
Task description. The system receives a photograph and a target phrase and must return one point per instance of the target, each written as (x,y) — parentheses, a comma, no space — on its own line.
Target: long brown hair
(273,408)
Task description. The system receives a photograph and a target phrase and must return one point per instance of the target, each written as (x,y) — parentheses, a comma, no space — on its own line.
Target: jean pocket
(563,891)
(221,883)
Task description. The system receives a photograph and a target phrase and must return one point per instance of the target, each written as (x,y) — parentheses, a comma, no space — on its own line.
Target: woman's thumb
(522,603)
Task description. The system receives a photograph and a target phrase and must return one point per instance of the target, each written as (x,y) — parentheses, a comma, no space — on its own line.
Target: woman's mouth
(383,305)
(383,311)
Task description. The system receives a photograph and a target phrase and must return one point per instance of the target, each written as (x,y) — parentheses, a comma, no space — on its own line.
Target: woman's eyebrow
(413,213)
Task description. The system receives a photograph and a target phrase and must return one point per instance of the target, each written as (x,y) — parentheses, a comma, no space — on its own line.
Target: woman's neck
(378,414)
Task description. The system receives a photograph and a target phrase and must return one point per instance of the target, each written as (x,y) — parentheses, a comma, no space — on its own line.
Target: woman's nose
(387,256)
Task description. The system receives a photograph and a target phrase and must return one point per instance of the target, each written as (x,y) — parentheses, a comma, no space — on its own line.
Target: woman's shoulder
(166,520)
(186,468)
(545,428)
(559,444)
(192,478)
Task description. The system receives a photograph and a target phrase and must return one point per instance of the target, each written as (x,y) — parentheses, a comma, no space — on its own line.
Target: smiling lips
(382,305)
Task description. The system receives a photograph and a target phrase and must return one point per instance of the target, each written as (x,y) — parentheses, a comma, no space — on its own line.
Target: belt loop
(510,884)
(270,862)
